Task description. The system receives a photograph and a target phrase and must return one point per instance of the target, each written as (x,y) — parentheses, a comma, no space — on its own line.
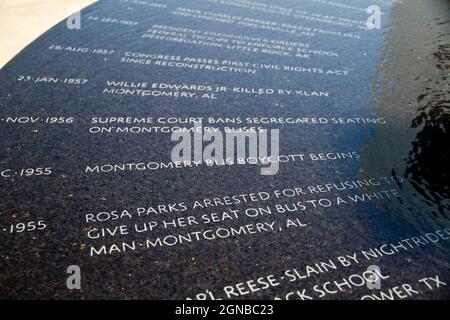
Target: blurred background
(22,21)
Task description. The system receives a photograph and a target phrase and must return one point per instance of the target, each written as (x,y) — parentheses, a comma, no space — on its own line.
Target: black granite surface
(396,76)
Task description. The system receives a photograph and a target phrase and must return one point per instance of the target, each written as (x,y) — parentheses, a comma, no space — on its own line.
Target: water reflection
(413,92)
(428,161)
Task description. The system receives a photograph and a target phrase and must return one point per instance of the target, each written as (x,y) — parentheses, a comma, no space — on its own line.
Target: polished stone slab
(87,178)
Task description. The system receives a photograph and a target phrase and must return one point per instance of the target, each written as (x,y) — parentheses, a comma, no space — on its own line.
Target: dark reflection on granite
(411,86)
(429,159)
(34,265)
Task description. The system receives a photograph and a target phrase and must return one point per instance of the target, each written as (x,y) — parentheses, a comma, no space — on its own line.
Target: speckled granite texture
(50,202)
